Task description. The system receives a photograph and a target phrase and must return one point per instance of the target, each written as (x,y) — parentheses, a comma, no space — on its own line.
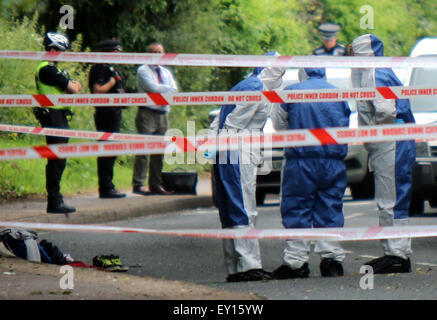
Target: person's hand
(78,85)
(74,86)
(209,154)
(113,81)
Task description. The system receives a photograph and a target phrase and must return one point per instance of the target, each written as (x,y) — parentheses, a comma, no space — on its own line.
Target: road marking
(359,202)
(347,252)
(368,257)
(354,215)
(426,264)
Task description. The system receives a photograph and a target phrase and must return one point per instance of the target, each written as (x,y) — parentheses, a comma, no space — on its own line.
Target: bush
(26,177)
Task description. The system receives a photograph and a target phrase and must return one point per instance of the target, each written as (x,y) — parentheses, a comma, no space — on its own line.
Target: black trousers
(54,118)
(107,120)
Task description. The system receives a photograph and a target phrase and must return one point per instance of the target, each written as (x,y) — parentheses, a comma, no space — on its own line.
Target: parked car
(425,112)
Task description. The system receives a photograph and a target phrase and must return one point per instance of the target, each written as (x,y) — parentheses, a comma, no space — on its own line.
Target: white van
(425,112)
(424,109)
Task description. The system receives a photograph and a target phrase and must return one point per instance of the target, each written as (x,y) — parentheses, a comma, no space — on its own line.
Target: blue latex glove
(209,154)
(399,121)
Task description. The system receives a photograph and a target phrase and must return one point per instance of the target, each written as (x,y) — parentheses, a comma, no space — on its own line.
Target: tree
(396,23)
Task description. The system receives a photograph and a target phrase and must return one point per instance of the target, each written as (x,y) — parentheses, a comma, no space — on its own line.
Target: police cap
(109,45)
(329,30)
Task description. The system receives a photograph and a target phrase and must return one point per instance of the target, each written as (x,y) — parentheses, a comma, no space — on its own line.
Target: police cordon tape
(79,134)
(217,97)
(333,234)
(216,60)
(201,139)
(228,140)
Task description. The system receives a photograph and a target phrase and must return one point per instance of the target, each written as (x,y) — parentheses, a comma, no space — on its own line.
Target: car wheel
(364,189)
(417,206)
(260,198)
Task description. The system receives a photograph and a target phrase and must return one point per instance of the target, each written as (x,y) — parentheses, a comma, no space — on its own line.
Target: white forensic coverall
(235,171)
(391,162)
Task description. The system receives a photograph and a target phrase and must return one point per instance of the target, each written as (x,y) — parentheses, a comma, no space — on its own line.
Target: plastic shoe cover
(390,264)
(331,268)
(285,272)
(250,275)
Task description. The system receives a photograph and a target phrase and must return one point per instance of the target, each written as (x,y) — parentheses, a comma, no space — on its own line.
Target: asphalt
(21,279)
(91,209)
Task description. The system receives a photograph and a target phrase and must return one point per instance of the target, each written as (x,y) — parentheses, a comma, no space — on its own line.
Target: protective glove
(210,154)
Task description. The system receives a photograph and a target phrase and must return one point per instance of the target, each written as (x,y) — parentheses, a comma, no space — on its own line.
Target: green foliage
(190,26)
(17,76)
(399,24)
(22,177)
(18,8)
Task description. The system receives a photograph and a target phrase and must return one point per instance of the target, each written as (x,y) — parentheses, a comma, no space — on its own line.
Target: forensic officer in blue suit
(330,46)
(235,175)
(391,162)
(313,179)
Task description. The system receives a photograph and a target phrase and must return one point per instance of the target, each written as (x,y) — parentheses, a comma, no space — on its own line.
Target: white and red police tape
(216,60)
(217,97)
(333,234)
(79,134)
(224,141)
(149,145)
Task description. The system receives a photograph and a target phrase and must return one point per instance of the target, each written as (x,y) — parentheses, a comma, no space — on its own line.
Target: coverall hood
(271,77)
(368,45)
(257,71)
(306,73)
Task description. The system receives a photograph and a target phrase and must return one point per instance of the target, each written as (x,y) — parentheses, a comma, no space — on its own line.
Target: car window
(344,83)
(424,77)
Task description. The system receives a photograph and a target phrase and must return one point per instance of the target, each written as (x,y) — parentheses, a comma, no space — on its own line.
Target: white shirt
(147,81)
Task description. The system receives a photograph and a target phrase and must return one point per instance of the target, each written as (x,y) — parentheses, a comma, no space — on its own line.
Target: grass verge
(26,178)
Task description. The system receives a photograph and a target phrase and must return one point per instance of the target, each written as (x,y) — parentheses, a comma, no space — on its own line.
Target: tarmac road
(192,269)
(200,261)
(21,279)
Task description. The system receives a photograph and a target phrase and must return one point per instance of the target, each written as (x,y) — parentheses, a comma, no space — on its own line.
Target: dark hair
(109,45)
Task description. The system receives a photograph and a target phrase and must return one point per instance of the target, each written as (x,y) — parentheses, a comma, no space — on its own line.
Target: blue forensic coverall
(314,177)
(391,162)
(235,171)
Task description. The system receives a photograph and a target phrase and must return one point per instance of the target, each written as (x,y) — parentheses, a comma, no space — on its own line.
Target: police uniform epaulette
(319,51)
(338,50)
